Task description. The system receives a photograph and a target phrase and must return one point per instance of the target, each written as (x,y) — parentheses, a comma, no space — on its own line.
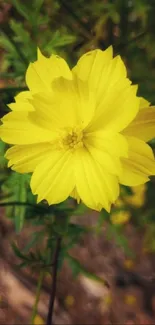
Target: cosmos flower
(80,132)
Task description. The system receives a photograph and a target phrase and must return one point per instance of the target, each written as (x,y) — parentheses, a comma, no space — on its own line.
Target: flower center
(71,138)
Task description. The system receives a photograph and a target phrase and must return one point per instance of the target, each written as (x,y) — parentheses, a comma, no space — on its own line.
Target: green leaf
(104,215)
(115,232)
(37,4)
(17,252)
(22,265)
(20,210)
(77,268)
(16,184)
(3,160)
(22,36)
(22,9)
(75,265)
(38,236)
(6,44)
(80,209)
(59,40)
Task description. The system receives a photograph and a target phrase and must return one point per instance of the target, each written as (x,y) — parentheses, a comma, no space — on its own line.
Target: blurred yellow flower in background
(69,301)
(38,320)
(120,217)
(80,132)
(129,264)
(130,299)
(137,199)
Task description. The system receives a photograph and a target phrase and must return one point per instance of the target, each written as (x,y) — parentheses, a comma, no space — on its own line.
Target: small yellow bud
(69,301)
(129,264)
(120,217)
(38,320)
(130,300)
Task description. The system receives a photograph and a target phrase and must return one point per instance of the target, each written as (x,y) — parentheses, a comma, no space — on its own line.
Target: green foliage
(77,268)
(15,190)
(115,232)
(34,260)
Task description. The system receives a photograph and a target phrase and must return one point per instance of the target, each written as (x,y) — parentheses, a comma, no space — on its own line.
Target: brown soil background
(128,296)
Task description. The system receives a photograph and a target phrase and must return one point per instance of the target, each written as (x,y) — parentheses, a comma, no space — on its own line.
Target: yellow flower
(137,199)
(120,217)
(38,320)
(80,132)
(69,301)
(130,300)
(129,264)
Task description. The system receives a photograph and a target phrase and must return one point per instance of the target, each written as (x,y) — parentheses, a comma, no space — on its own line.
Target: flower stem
(35,307)
(13,203)
(54,281)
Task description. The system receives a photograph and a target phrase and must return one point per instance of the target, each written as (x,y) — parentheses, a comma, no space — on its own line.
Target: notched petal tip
(135,89)
(39,199)
(39,54)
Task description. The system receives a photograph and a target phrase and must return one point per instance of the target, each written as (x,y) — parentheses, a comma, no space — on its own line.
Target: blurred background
(109,276)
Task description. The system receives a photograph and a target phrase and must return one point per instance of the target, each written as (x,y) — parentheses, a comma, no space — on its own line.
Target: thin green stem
(35,307)
(13,203)
(54,281)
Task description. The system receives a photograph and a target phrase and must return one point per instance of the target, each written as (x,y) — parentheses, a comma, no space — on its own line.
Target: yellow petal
(96,188)
(118,109)
(139,165)
(23,96)
(101,71)
(75,195)
(116,101)
(22,102)
(71,105)
(24,158)
(21,106)
(90,65)
(107,150)
(115,144)
(77,99)
(53,179)
(42,72)
(18,129)
(144,103)
(143,126)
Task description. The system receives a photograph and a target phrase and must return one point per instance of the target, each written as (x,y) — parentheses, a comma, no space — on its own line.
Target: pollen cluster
(71,139)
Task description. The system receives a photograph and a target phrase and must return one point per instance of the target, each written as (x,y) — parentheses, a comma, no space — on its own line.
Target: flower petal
(25,158)
(18,129)
(113,143)
(53,179)
(22,102)
(96,188)
(107,149)
(139,165)
(42,72)
(143,126)
(144,103)
(71,105)
(77,98)
(119,107)
(101,70)
(90,66)
(74,195)
(116,101)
